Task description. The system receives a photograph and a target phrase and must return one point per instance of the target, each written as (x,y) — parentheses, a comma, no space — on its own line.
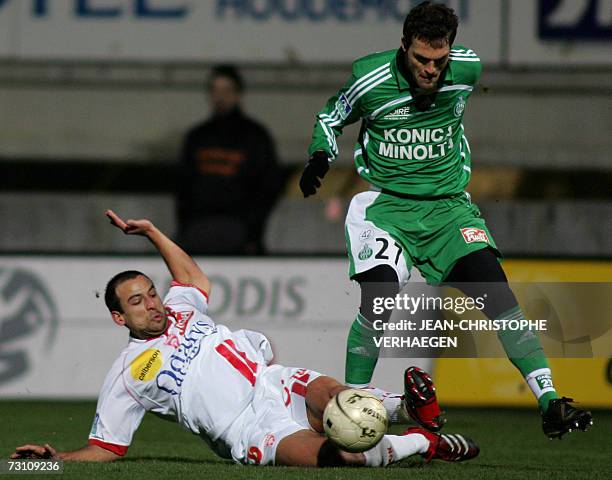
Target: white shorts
(277,411)
(368,245)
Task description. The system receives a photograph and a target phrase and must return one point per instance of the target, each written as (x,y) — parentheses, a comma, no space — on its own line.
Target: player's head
(134,303)
(225,86)
(429,31)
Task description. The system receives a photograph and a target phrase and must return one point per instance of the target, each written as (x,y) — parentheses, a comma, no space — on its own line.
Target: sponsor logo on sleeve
(146,365)
(343,106)
(94,425)
(473,235)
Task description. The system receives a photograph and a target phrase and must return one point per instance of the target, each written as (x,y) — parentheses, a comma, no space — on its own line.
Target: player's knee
(479,274)
(320,392)
(324,387)
(378,282)
(379,274)
(479,266)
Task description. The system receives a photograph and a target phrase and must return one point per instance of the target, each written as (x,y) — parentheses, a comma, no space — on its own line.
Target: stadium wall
(296,226)
(535,119)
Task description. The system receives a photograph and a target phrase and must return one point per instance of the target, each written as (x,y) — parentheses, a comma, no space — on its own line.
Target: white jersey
(196,373)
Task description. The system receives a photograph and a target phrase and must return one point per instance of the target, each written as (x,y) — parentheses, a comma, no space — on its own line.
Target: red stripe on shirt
(231,357)
(120,450)
(174,283)
(250,363)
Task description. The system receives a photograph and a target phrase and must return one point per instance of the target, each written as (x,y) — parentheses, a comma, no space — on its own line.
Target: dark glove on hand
(314,171)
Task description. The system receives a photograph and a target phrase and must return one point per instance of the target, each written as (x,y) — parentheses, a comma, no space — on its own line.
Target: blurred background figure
(229,175)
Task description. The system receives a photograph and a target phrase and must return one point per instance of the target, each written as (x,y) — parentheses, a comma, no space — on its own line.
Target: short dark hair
(430,22)
(229,71)
(110,294)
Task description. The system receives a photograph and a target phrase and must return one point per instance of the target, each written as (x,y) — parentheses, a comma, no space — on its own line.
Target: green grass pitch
(511,441)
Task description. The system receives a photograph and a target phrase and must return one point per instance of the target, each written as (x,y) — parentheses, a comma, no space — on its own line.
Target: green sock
(525,351)
(361,352)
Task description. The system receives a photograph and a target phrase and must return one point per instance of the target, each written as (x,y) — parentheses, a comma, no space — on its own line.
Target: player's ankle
(544,401)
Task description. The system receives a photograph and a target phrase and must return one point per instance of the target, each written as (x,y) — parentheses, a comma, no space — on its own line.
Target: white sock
(393,448)
(391,401)
(540,381)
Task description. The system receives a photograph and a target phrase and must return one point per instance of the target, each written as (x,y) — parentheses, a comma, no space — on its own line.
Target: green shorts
(431,235)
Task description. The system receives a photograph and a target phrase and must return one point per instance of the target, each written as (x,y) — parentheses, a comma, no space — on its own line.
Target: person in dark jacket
(229,177)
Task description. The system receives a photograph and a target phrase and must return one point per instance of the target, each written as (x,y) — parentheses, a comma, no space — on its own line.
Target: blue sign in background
(575,19)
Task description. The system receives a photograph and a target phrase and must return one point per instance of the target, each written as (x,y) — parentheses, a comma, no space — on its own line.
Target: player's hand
(314,171)
(35,451)
(130,227)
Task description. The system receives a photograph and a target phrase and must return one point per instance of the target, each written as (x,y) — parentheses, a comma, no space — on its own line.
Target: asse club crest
(365,252)
(459,106)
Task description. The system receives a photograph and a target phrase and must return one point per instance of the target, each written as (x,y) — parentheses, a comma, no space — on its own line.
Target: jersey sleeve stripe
(463,54)
(332,121)
(331,139)
(331,117)
(465,59)
(462,50)
(371,86)
(379,78)
(449,88)
(120,450)
(366,139)
(467,144)
(366,78)
(179,284)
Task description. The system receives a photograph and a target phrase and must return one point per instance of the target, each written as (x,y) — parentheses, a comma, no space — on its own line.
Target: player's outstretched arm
(337,113)
(181,266)
(89,453)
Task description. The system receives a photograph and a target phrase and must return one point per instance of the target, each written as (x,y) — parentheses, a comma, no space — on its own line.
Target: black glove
(314,171)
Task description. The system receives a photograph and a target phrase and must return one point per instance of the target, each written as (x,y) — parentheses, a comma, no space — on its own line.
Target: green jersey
(420,153)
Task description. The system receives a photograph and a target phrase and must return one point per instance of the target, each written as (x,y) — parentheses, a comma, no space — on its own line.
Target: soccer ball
(355,421)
